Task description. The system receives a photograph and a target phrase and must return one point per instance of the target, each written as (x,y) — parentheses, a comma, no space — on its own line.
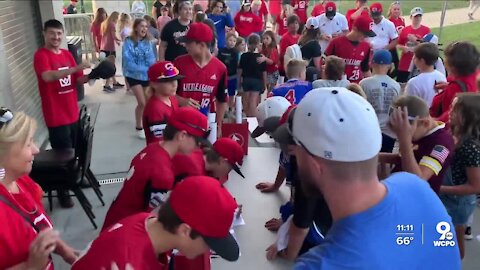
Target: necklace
(18,204)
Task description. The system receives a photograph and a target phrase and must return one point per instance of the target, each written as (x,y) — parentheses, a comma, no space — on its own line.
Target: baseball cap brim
(369,33)
(416,14)
(282,135)
(237,170)
(258,131)
(226,247)
(269,126)
(169,79)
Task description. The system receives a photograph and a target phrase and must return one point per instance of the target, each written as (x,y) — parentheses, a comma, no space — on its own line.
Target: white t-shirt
(385,31)
(381,91)
(422,85)
(334,26)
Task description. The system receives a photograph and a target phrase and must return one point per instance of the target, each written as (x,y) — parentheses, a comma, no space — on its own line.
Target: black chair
(67,169)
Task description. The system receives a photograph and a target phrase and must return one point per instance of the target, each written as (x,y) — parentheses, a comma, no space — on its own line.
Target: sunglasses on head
(6,116)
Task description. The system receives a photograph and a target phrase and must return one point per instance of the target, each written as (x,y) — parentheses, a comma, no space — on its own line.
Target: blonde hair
(113,18)
(134,34)
(357,89)
(16,130)
(287,12)
(389,14)
(124,21)
(295,67)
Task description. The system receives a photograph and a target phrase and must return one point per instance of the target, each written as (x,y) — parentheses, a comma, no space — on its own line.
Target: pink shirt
(108,40)
(97,34)
(162,21)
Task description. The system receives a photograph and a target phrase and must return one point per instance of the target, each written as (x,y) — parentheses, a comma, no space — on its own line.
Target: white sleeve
(392,32)
(343,22)
(440,67)
(411,89)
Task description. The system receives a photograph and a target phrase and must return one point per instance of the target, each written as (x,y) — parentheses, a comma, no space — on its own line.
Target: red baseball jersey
(287,40)
(188,165)
(282,24)
(59,98)
(204,84)
(125,244)
(155,117)
(16,234)
(317,10)
(146,184)
(355,54)
(349,13)
(300,7)
(399,24)
(406,58)
(247,23)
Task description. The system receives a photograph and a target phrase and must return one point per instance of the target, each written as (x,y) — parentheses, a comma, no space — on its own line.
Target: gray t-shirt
(381,91)
(330,83)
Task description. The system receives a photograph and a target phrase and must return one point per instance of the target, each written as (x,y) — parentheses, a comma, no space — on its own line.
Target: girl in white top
(125,26)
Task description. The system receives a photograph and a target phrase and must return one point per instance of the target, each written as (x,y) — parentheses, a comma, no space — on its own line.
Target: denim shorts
(459,207)
(232,87)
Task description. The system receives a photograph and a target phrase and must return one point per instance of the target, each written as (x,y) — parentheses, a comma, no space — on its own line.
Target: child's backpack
(293,52)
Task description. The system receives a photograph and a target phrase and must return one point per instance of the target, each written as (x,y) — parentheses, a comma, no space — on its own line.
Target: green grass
(343,5)
(468,32)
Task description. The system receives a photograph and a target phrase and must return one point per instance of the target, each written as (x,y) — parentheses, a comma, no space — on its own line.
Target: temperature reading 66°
(404,240)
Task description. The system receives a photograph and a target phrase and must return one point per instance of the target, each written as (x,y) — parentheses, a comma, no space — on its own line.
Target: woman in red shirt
(281,20)
(395,16)
(461,61)
(26,235)
(100,16)
(246,22)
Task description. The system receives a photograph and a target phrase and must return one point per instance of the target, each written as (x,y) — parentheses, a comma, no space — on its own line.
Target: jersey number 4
(290,96)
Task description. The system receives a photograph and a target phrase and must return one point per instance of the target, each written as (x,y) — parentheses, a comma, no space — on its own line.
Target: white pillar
(53,10)
(111,6)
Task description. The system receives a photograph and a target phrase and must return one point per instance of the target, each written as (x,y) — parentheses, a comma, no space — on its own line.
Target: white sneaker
(140,134)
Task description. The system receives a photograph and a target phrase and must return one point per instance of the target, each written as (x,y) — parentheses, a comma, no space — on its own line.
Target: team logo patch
(327,154)
(330,8)
(214,77)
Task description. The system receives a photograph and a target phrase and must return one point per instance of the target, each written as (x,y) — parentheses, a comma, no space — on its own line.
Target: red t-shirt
(263,9)
(271,53)
(16,234)
(189,165)
(355,54)
(348,16)
(406,57)
(155,116)
(317,10)
(59,98)
(125,243)
(300,7)
(97,34)
(287,40)
(445,98)
(399,24)
(247,23)
(275,7)
(282,24)
(146,184)
(204,84)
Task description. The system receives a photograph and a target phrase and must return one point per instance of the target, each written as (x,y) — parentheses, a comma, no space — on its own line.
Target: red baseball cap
(206,206)
(376,9)
(191,121)
(330,9)
(163,71)
(198,32)
(231,151)
(364,24)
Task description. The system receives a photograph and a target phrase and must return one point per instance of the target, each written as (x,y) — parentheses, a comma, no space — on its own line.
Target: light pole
(82,6)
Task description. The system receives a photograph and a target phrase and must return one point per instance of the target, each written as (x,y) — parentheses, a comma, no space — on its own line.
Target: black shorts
(402,76)
(132,82)
(252,85)
(108,53)
(63,137)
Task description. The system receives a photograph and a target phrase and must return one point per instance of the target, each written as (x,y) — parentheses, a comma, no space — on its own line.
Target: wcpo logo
(446,236)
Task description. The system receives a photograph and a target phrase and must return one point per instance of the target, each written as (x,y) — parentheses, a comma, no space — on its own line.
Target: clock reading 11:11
(404,228)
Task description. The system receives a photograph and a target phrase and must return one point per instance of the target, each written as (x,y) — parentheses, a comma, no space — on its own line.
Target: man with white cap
(331,24)
(397,223)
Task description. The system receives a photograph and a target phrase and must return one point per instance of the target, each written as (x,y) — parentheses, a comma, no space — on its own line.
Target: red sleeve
(41,63)
(274,55)
(348,15)
(77,74)
(178,65)
(450,92)
(402,39)
(263,8)
(279,20)
(330,50)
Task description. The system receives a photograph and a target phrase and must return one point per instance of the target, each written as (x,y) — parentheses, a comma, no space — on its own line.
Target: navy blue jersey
(293,90)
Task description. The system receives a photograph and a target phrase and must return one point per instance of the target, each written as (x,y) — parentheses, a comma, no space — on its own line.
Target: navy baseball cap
(382,57)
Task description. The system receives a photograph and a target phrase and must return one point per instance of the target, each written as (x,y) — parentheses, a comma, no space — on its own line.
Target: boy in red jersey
(288,39)
(151,172)
(197,217)
(163,77)
(354,49)
(205,84)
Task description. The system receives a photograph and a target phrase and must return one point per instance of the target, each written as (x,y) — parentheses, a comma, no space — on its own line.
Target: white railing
(79,25)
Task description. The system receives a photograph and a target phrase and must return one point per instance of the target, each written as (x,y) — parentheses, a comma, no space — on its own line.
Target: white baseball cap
(271,107)
(336,124)
(416,11)
(432,38)
(312,23)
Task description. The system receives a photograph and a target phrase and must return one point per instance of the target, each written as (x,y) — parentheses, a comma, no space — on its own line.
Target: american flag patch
(2,173)
(440,153)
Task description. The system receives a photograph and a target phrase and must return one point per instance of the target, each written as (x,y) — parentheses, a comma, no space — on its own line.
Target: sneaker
(64,199)
(140,134)
(108,89)
(118,85)
(468,233)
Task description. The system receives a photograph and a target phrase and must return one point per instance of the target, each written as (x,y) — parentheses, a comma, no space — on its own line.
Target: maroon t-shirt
(434,151)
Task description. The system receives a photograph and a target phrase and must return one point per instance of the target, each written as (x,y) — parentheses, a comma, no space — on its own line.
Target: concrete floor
(114,146)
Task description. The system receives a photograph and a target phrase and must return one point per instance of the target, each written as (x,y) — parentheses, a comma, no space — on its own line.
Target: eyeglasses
(6,116)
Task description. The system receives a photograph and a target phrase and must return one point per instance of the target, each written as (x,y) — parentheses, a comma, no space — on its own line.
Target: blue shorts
(232,87)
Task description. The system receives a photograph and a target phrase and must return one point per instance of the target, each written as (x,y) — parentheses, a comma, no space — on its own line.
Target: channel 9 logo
(446,235)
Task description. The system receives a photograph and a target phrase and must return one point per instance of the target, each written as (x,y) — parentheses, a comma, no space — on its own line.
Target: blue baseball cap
(382,57)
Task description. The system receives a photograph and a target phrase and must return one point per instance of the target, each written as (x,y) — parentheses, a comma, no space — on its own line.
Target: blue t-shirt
(404,231)
(220,21)
(293,90)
